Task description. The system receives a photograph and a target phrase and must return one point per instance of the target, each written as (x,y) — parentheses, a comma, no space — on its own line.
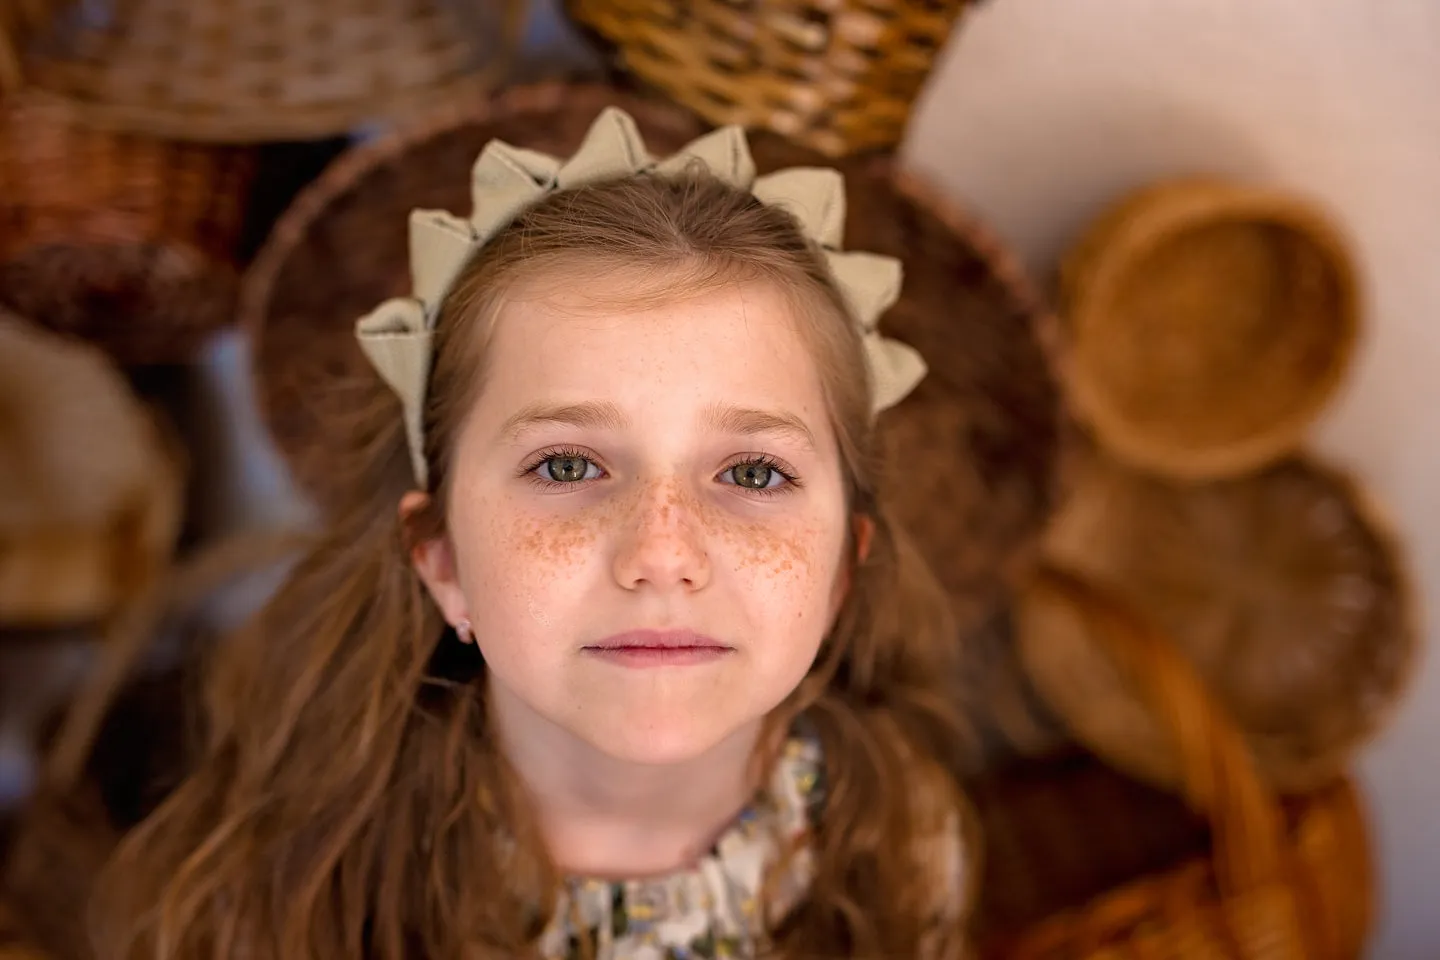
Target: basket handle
(1218,774)
(129,634)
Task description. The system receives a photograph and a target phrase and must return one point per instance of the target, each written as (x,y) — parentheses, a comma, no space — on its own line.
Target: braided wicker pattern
(127,241)
(839,77)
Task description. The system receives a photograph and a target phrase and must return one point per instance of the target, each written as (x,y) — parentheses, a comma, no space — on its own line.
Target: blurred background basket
(1209,324)
(245,71)
(1285,590)
(839,77)
(1082,865)
(91,483)
(979,440)
(127,241)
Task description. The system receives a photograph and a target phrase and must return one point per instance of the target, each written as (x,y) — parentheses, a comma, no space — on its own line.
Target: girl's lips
(657,648)
(640,657)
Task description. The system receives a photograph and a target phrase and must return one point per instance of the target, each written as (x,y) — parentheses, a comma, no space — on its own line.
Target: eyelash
(751,459)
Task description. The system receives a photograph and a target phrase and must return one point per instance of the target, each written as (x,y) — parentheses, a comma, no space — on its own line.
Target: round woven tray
(262,70)
(1210,323)
(976,443)
(1286,590)
(127,241)
(839,76)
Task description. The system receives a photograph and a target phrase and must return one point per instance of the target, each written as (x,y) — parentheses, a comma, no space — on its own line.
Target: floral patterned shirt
(711,910)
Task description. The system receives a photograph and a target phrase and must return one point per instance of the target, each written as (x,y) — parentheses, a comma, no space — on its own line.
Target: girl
(613,651)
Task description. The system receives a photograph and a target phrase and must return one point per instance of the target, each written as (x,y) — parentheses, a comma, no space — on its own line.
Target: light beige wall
(1043,109)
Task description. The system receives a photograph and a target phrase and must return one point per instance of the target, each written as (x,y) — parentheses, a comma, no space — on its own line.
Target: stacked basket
(1221,613)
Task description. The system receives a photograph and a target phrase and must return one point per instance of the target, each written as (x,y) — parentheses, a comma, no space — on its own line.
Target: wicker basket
(1279,880)
(126,241)
(979,437)
(247,71)
(1210,323)
(1286,590)
(839,77)
(91,486)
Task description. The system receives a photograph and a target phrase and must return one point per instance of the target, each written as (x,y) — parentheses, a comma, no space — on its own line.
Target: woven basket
(129,242)
(978,439)
(91,486)
(839,77)
(1286,590)
(247,71)
(1276,880)
(1210,323)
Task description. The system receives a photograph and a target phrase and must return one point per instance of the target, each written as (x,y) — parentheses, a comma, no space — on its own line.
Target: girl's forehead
(730,342)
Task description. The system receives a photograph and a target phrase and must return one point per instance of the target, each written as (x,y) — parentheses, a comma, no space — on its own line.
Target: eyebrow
(745,421)
(604,415)
(593,414)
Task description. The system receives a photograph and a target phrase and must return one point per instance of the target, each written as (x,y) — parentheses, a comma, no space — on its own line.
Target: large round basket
(127,241)
(1084,865)
(977,442)
(1209,324)
(246,71)
(839,77)
(1286,591)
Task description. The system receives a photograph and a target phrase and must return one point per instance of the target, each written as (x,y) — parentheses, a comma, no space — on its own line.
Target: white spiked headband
(397,335)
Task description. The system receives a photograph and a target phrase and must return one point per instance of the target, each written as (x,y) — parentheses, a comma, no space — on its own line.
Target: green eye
(754,476)
(567,469)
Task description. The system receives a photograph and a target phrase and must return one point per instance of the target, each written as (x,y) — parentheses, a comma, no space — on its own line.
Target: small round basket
(839,76)
(977,443)
(1209,323)
(127,241)
(1286,591)
(251,71)
(91,486)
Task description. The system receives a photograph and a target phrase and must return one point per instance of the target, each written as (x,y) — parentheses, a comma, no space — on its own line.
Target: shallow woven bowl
(247,71)
(1209,324)
(1286,590)
(130,242)
(839,76)
(91,485)
(975,445)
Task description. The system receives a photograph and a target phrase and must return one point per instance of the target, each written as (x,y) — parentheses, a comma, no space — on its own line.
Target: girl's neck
(605,818)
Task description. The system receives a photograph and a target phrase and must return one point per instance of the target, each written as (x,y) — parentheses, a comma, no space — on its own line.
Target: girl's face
(647,516)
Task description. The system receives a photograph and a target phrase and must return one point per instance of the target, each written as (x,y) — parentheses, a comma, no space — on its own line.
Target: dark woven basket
(839,76)
(976,444)
(127,241)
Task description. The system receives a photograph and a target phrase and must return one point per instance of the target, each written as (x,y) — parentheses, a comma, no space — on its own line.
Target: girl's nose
(661,544)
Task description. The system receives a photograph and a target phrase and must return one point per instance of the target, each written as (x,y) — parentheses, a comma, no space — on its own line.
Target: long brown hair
(348,800)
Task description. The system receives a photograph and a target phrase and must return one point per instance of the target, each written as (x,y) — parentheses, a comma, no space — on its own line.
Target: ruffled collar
(712,909)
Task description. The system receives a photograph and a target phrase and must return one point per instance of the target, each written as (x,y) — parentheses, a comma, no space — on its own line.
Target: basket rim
(1377,520)
(357,162)
(1121,240)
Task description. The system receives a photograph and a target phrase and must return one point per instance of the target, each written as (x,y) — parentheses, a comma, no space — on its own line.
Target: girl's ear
(864,534)
(433,558)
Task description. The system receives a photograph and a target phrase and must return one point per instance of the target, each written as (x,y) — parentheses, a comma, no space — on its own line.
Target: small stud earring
(463,631)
